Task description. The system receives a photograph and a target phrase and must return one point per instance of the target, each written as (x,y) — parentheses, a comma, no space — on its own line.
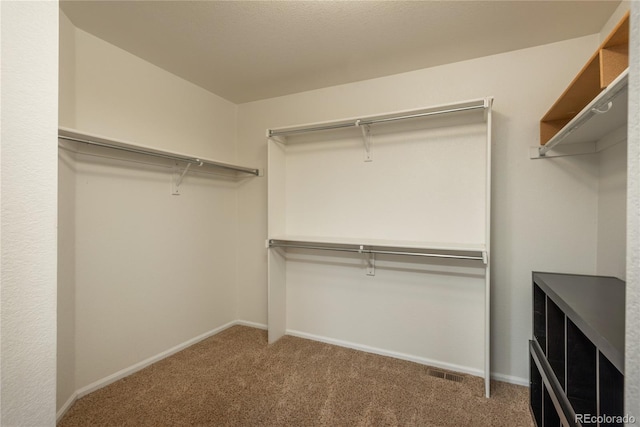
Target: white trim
(486,373)
(146,362)
(256,325)
(72,399)
(96,385)
(379,351)
(403,356)
(510,379)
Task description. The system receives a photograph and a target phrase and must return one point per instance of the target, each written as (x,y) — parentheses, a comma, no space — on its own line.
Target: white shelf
(596,127)
(446,250)
(478,105)
(111,143)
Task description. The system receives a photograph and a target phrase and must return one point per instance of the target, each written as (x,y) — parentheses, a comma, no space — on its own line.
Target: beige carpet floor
(236,379)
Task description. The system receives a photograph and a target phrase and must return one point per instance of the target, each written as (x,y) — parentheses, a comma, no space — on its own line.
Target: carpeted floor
(236,379)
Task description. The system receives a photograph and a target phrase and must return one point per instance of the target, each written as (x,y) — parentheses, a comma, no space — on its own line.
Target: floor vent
(446,375)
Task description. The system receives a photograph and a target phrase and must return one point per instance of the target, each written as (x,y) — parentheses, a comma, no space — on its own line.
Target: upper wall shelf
(380,246)
(600,124)
(478,105)
(597,93)
(105,142)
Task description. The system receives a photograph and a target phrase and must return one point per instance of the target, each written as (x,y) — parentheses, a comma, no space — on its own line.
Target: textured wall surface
(28,212)
(632,355)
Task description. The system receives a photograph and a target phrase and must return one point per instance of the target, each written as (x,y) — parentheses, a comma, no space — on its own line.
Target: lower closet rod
(375,251)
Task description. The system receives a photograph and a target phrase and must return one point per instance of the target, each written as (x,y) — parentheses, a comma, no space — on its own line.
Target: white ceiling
(250,50)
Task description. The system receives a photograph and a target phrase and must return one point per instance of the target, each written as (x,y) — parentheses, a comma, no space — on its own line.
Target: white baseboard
(422,360)
(141,365)
(510,379)
(403,356)
(63,410)
(252,324)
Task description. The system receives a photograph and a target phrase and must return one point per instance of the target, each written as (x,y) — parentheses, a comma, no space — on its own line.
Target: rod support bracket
(371,264)
(178,177)
(370,260)
(366,139)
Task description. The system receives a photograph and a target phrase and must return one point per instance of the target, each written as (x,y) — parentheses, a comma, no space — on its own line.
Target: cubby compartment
(581,386)
(551,417)
(535,388)
(611,391)
(539,317)
(556,341)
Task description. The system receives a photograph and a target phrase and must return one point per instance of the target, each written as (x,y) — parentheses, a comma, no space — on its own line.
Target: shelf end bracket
(371,260)
(366,138)
(178,177)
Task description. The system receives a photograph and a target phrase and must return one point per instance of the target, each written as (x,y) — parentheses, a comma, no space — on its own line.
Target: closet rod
(273,243)
(160,154)
(364,122)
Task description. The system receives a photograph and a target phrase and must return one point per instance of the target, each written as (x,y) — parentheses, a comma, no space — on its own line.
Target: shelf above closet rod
(100,141)
(382,250)
(479,104)
(605,113)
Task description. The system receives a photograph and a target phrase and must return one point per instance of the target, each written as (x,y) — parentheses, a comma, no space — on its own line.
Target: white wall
(124,97)
(632,353)
(28,213)
(144,270)
(544,212)
(612,211)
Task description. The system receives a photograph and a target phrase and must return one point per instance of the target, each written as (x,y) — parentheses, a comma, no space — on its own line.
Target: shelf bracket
(563,150)
(178,177)
(371,260)
(366,139)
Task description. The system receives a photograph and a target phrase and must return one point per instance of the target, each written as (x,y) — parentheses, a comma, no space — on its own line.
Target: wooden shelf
(606,64)
(601,124)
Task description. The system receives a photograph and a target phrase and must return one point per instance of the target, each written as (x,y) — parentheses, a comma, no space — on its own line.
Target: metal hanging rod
(481,104)
(100,142)
(363,249)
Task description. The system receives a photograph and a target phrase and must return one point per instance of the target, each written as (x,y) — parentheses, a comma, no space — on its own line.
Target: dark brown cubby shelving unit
(577,350)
